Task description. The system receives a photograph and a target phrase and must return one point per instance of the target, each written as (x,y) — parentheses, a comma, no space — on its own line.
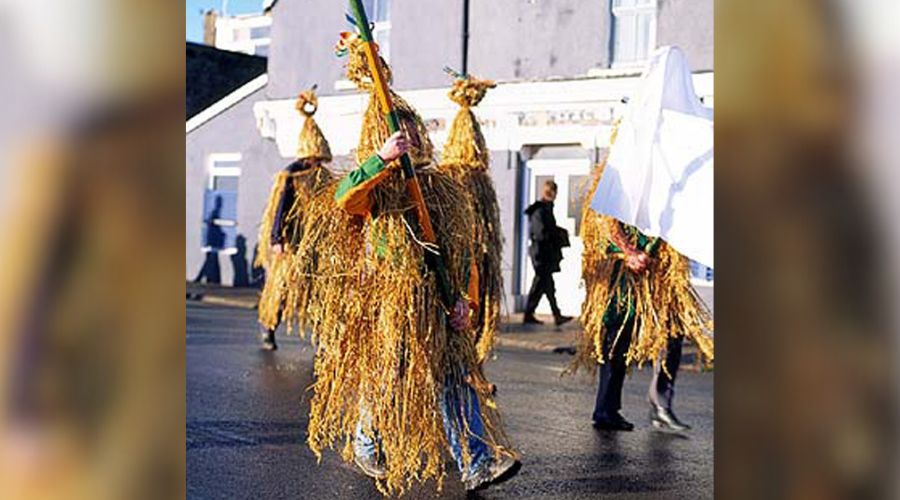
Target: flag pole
(382,92)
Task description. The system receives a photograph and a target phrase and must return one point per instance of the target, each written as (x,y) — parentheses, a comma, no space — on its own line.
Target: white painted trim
(254,19)
(213,170)
(225,171)
(226,102)
(214,158)
(224,251)
(344,84)
(512,114)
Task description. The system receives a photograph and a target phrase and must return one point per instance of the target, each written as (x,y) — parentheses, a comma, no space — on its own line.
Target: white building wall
(512,115)
(250,34)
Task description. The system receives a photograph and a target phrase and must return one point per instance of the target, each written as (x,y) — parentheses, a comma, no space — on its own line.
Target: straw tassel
(286,291)
(466,158)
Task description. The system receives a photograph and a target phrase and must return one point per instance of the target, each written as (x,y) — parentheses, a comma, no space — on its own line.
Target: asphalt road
(246,426)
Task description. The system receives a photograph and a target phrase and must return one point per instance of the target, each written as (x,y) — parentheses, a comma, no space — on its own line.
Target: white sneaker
(370,466)
(493,472)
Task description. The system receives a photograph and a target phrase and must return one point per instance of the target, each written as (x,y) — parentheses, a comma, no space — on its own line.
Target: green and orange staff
(383,94)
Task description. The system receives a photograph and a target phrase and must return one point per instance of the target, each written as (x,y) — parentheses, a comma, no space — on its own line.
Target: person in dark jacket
(547,242)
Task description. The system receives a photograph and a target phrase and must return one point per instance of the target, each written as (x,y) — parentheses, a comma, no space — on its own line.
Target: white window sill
(344,84)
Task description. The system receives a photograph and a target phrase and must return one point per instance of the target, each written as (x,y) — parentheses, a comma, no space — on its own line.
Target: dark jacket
(279,229)
(547,239)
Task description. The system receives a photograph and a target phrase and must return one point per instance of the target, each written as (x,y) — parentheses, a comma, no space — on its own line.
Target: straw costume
(282,221)
(629,318)
(659,176)
(393,379)
(466,159)
(658,304)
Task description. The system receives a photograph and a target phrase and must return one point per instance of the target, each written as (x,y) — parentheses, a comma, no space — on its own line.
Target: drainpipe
(465,38)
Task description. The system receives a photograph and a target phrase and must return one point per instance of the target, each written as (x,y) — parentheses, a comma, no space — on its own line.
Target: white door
(572,178)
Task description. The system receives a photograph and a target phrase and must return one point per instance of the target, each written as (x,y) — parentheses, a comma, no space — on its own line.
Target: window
(240,34)
(223,168)
(634,31)
(701,272)
(259,32)
(379,12)
(225,183)
(220,202)
(579,186)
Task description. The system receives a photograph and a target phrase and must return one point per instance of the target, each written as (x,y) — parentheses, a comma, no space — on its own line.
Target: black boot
(613,423)
(663,419)
(529,319)
(561,320)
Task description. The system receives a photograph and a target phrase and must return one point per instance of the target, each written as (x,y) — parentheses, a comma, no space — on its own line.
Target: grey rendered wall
(524,39)
(425,37)
(232,131)
(304,33)
(509,39)
(689,25)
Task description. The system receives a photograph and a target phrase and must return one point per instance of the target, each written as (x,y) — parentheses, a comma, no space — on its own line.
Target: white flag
(659,174)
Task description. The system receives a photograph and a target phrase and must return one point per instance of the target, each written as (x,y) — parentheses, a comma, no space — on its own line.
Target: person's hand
(394,147)
(277,249)
(636,261)
(459,318)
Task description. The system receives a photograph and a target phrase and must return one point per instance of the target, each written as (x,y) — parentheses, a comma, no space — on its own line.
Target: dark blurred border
(91,148)
(806,382)
(92,392)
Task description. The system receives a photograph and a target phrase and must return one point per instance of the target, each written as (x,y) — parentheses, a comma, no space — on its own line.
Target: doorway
(572,176)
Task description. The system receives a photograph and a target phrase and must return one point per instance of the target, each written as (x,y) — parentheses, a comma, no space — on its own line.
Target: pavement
(512,333)
(247,416)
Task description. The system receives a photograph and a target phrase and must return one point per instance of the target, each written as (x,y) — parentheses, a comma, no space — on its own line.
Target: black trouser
(613,370)
(210,270)
(540,286)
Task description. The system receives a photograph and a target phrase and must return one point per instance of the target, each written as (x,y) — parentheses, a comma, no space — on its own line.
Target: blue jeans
(363,445)
(458,413)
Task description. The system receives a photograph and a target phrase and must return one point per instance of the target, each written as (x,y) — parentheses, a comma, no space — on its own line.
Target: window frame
(214,170)
(616,12)
(372,13)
